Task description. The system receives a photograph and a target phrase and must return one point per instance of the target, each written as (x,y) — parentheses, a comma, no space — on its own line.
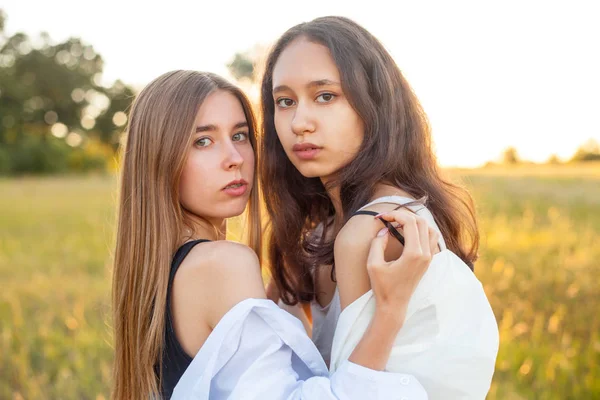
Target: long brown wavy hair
(396,150)
(151,219)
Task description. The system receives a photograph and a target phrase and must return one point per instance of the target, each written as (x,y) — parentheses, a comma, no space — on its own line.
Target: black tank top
(174,359)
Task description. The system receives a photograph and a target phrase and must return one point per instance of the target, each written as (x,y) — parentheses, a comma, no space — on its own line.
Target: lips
(236,188)
(235,184)
(305,147)
(306,151)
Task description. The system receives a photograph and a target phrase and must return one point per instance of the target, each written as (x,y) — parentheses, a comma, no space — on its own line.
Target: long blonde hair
(151,219)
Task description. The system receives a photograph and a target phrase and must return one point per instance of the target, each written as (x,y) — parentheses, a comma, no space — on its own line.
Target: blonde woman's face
(219,171)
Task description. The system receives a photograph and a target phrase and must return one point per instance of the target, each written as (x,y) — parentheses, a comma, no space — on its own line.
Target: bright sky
(490,75)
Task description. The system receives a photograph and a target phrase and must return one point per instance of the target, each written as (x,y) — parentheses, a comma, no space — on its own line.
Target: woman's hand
(394,282)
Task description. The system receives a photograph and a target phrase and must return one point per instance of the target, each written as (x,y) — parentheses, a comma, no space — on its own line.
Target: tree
(2,19)
(589,151)
(246,65)
(510,156)
(553,159)
(52,92)
(242,66)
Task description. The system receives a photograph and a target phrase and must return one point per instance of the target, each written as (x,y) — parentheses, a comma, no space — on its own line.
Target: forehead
(220,108)
(303,61)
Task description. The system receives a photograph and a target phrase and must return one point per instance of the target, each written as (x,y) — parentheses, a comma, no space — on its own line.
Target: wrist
(391,316)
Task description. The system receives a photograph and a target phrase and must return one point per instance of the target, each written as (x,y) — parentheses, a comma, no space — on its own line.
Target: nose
(302,123)
(232,158)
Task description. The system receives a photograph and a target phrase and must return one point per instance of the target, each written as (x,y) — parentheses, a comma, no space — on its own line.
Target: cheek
(194,182)
(248,155)
(281,126)
(353,135)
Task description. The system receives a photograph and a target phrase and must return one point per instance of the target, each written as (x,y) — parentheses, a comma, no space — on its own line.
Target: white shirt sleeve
(261,352)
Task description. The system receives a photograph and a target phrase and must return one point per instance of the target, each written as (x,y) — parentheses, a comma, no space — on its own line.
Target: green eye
(241,136)
(203,142)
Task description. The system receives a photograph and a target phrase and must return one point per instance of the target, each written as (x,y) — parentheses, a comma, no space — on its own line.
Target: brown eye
(325,97)
(285,102)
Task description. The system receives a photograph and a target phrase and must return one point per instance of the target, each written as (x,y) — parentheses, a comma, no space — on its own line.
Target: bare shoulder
(215,276)
(221,257)
(351,250)
(361,229)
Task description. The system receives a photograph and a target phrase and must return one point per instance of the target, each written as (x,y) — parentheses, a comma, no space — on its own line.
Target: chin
(314,171)
(236,210)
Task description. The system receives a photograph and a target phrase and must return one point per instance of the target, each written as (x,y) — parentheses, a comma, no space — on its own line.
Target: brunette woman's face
(318,128)
(218,174)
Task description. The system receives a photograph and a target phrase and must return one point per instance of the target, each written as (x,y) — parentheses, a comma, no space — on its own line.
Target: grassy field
(540,265)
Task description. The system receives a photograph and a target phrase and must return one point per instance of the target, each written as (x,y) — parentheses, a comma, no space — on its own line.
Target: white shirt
(258,351)
(449,340)
(325,319)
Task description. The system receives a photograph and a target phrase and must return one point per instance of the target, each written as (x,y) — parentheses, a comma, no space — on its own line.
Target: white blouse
(258,351)
(449,340)
(325,319)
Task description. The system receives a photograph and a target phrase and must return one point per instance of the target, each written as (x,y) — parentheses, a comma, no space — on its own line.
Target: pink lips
(306,151)
(236,188)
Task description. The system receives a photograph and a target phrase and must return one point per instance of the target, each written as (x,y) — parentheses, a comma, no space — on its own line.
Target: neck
(380,190)
(333,191)
(205,228)
(385,189)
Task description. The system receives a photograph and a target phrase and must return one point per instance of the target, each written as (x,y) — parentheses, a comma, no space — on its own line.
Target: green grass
(540,253)
(540,263)
(55,243)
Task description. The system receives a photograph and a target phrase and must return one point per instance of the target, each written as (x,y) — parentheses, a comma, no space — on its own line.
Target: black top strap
(174,358)
(365,212)
(390,227)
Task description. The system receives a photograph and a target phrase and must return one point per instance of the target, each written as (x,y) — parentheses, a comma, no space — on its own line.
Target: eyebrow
(208,128)
(317,83)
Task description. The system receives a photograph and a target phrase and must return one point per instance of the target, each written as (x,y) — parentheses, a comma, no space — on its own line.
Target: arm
(212,279)
(261,363)
(351,249)
(260,352)
(218,275)
(393,282)
(352,246)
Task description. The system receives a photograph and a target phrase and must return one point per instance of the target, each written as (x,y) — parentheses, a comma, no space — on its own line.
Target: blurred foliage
(53,104)
(510,156)
(242,66)
(589,151)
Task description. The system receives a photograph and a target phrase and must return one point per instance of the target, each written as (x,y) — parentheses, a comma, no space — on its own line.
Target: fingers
(401,215)
(434,238)
(420,243)
(423,227)
(412,245)
(377,250)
